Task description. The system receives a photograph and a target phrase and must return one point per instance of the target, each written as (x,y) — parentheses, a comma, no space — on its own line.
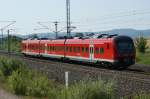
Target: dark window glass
(78,49)
(101,50)
(70,49)
(61,48)
(56,48)
(82,49)
(75,49)
(48,48)
(53,48)
(66,48)
(97,50)
(124,46)
(87,49)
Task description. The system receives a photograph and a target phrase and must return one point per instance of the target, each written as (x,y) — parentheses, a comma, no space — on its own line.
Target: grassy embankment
(18,79)
(15,77)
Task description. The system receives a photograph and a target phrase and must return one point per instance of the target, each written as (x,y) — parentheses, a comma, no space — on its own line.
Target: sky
(86,15)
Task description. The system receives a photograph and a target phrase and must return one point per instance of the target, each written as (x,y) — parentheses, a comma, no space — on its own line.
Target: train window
(36,47)
(56,48)
(70,49)
(61,48)
(101,50)
(87,49)
(78,49)
(75,49)
(82,49)
(33,47)
(97,50)
(52,48)
(48,48)
(66,48)
(43,47)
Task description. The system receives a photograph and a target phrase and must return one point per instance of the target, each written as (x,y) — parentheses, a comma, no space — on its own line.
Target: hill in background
(129,32)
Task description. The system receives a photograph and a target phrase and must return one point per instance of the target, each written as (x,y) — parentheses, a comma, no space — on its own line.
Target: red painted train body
(118,50)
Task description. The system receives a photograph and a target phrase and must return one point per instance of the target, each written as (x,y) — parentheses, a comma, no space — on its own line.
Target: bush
(7,66)
(88,90)
(26,82)
(18,81)
(141,44)
(39,86)
(23,81)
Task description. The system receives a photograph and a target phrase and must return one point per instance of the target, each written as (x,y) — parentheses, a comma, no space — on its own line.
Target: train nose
(125,59)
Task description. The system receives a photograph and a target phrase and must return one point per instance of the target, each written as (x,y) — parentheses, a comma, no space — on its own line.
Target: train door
(91,52)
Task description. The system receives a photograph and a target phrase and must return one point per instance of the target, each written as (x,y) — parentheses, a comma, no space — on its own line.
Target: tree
(141,44)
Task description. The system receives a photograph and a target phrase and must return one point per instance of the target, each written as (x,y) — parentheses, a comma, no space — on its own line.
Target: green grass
(88,90)
(35,85)
(21,81)
(142,96)
(143,58)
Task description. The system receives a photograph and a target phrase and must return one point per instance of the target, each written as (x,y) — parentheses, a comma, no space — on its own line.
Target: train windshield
(125,46)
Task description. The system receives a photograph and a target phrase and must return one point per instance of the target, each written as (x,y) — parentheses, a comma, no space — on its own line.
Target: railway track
(129,81)
(137,68)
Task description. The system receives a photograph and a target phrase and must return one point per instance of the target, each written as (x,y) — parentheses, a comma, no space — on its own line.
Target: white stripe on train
(70,57)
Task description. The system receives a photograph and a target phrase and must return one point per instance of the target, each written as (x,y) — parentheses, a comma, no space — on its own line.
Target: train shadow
(135,70)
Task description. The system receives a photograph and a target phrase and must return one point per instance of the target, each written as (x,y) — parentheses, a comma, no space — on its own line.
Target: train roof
(99,38)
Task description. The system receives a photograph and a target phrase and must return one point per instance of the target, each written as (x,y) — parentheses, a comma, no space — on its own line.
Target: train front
(124,51)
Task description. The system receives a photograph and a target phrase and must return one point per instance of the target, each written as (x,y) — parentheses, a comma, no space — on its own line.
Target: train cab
(124,51)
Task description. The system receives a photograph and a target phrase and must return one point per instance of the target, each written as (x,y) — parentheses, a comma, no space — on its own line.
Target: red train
(104,49)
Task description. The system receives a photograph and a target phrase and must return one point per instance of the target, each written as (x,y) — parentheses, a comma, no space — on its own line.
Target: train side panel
(31,47)
(104,50)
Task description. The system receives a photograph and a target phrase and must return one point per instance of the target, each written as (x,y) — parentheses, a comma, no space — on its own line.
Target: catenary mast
(68,18)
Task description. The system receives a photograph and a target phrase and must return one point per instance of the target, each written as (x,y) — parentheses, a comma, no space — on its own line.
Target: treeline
(12,43)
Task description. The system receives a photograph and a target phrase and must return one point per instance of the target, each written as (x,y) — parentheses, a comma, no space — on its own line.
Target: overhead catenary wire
(116,16)
(108,20)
